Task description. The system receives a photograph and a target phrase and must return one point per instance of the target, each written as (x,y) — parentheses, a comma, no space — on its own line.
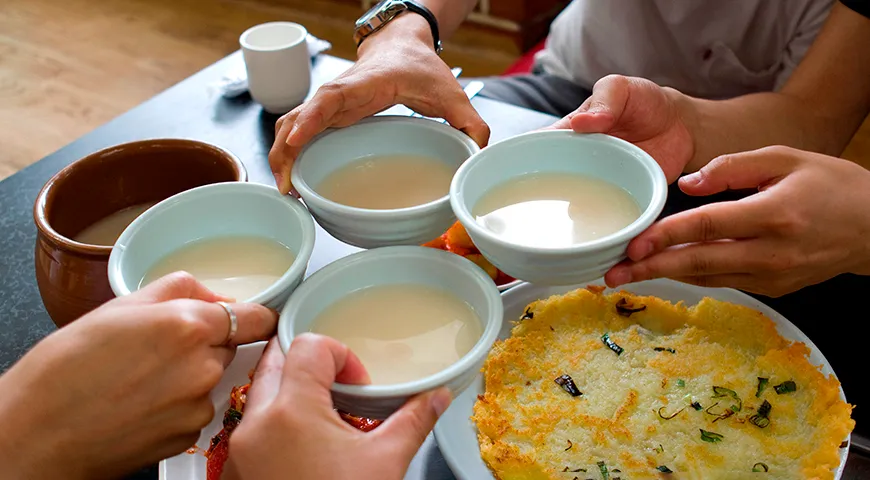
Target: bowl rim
(40,215)
(296,269)
(321,278)
(310,196)
(646,218)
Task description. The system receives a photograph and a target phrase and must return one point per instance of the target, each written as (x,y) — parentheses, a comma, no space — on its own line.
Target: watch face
(381,13)
(372,16)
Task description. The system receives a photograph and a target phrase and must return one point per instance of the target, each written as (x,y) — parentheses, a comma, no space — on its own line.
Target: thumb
(405,431)
(314,362)
(174,286)
(600,112)
(266,380)
(738,171)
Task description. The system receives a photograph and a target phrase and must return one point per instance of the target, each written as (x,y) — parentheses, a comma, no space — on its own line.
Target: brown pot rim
(39,215)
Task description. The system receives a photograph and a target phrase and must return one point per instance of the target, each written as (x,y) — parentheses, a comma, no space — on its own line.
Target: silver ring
(234,322)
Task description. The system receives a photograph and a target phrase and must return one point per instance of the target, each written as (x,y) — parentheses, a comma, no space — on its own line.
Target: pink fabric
(525,63)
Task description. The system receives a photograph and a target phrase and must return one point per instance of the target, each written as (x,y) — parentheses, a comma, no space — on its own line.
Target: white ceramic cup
(278,65)
(562,152)
(403,265)
(380,135)
(214,211)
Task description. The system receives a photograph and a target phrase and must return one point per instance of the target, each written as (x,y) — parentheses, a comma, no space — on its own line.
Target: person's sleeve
(805,34)
(860,6)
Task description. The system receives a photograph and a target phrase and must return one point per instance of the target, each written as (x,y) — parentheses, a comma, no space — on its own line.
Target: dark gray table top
(191,110)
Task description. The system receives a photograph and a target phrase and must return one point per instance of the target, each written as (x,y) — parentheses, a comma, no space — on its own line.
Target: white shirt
(705,48)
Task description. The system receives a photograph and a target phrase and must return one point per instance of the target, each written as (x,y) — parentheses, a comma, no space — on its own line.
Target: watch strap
(430,17)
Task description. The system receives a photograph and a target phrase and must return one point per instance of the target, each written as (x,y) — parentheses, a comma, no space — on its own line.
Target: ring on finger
(234,322)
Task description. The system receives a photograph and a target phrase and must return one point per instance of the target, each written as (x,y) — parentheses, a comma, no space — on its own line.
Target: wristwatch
(385,11)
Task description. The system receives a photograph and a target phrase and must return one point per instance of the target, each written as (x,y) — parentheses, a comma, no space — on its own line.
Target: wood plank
(68,67)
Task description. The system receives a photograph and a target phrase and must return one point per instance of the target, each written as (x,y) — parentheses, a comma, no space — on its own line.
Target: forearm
(819,108)
(755,121)
(27,442)
(450,14)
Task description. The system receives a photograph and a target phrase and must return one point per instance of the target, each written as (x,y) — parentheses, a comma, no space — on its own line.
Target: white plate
(457,435)
(191,466)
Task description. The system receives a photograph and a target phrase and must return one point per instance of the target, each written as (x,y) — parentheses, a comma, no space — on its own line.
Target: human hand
(290,425)
(125,385)
(641,112)
(808,222)
(396,65)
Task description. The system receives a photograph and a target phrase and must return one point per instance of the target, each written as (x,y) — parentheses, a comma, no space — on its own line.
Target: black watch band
(430,17)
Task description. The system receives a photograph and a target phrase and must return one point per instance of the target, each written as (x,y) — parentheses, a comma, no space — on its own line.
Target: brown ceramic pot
(71,275)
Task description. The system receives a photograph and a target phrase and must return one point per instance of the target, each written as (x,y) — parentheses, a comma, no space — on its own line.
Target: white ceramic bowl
(219,210)
(382,135)
(390,266)
(558,151)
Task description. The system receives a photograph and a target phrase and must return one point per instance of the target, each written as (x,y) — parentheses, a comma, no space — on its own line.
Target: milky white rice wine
(388,182)
(555,210)
(106,230)
(236,267)
(402,332)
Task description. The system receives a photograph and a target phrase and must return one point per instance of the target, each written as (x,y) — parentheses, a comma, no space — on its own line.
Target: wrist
(407,29)
(687,117)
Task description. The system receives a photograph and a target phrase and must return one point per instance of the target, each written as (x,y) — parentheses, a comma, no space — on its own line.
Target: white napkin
(235,81)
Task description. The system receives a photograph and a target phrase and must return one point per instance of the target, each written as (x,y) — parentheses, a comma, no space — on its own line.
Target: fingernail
(643,250)
(596,108)
(621,276)
(440,401)
(292,133)
(691,180)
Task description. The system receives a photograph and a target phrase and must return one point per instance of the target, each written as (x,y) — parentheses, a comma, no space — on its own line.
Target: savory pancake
(622,386)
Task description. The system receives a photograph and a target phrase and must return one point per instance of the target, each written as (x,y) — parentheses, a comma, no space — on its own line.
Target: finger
(174,286)
(320,112)
(267,377)
(280,122)
(599,112)
(738,171)
(739,219)
(700,259)
(255,323)
(225,354)
(354,372)
(281,155)
(563,123)
(318,361)
(461,115)
(405,431)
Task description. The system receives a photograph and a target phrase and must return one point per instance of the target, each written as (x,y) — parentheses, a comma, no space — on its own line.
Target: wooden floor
(68,66)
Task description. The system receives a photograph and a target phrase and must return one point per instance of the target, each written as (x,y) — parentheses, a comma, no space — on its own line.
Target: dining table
(196,109)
